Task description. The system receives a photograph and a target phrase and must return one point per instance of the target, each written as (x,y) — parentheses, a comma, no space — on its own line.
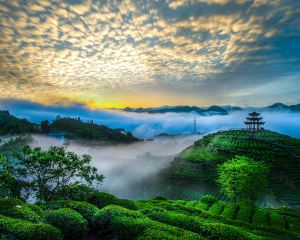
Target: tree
(10,185)
(48,172)
(45,126)
(243,178)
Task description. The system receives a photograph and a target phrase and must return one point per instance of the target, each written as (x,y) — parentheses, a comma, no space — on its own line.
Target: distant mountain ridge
(284,107)
(212,110)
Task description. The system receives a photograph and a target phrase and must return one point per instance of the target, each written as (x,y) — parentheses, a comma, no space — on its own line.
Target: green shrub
(158,231)
(202,206)
(70,222)
(102,199)
(209,230)
(217,208)
(277,220)
(126,204)
(182,202)
(260,217)
(76,192)
(191,203)
(209,199)
(230,211)
(245,212)
(87,210)
(24,230)
(15,208)
(37,209)
(293,223)
(121,223)
(9,202)
(160,198)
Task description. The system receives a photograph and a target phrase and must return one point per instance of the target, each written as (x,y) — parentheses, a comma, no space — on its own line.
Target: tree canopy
(9,124)
(77,129)
(47,172)
(243,178)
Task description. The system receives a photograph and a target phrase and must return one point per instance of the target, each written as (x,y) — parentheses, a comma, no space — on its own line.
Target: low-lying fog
(125,167)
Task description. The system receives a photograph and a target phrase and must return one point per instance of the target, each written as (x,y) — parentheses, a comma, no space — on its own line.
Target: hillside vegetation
(103,216)
(73,128)
(9,124)
(197,164)
(77,129)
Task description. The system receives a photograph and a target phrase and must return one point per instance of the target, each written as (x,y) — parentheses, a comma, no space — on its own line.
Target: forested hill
(74,128)
(9,124)
(198,163)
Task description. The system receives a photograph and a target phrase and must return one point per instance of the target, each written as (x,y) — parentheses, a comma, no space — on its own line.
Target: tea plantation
(197,164)
(112,218)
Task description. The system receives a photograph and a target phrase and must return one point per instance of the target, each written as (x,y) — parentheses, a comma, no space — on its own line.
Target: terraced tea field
(197,164)
(267,222)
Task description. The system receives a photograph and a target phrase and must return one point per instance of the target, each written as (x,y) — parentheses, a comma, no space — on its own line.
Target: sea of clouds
(145,125)
(126,167)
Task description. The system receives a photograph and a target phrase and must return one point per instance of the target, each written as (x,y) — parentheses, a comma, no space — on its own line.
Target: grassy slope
(197,164)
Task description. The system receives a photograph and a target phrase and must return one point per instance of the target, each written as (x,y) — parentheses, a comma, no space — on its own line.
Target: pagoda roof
(254,114)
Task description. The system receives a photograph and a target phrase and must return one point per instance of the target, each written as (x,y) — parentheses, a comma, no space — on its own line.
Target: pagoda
(254,122)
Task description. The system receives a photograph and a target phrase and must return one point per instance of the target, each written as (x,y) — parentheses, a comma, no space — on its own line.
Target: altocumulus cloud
(82,51)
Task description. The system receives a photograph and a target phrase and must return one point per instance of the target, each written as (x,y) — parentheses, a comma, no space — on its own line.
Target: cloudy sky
(150,53)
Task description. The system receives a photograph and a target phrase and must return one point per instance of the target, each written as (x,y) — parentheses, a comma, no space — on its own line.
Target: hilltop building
(254,122)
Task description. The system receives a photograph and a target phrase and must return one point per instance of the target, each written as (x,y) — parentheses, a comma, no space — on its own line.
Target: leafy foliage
(121,223)
(70,222)
(10,185)
(209,199)
(74,191)
(102,199)
(243,177)
(87,210)
(48,172)
(11,228)
(161,219)
(15,208)
(208,230)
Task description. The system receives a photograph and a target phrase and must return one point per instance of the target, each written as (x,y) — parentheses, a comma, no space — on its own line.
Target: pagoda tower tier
(254,122)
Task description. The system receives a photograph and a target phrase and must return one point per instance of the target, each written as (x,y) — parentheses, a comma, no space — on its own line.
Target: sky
(105,54)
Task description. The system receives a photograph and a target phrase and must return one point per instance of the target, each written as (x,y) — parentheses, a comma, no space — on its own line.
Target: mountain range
(212,110)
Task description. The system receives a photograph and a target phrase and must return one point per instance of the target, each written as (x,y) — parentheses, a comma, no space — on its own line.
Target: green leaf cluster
(243,178)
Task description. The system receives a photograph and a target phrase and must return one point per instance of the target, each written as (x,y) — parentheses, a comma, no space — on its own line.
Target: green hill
(9,124)
(76,129)
(196,165)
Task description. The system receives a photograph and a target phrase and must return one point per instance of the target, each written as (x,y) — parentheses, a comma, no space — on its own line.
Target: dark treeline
(73,128)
